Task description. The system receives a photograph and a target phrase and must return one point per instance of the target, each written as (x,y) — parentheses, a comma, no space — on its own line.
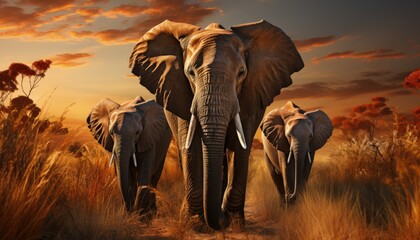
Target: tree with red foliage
(412,81)
(8,78)
(22,111)
(363,118)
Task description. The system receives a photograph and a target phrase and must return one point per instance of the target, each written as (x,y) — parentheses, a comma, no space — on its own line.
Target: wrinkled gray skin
(290,138)
(205,79)
(136,127)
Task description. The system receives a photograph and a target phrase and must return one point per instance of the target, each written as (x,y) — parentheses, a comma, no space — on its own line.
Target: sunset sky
(353,50)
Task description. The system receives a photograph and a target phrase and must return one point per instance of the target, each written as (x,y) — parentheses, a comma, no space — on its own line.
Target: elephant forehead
(119,115)
(215,36)
(299,117)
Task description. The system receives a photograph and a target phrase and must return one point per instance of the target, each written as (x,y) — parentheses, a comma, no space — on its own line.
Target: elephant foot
(197,224)
(234,218)
(145,204)
(193,221)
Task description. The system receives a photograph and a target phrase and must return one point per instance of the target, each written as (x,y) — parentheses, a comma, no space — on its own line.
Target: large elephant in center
(215,85)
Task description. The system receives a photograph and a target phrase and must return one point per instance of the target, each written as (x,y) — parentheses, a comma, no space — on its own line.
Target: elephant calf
(291,133)
(138,136)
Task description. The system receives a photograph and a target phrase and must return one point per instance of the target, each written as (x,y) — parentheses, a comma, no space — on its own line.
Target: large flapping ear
(99,120)
(322,126)
(154,124)
(274,129)
(272,58)
(157,59)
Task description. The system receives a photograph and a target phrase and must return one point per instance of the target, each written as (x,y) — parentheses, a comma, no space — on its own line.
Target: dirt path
(171,229)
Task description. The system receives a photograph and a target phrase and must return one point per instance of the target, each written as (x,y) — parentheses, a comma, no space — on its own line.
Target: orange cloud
(367,55)
(70,59)
(13,17)
(148,17)
(307,45)
(345,89)
(28,19)
(127,10)
(44,7)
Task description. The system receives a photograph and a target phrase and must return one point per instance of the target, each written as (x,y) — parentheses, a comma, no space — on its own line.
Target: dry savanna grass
(54,187)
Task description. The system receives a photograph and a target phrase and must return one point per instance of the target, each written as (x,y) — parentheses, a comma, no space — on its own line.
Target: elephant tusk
(290,196)
(290,155)
(112,158)
(191,130)
(134,160)
(309,156)
(240,131)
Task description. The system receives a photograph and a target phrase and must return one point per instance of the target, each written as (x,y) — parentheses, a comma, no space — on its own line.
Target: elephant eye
(241,72)
(190,71)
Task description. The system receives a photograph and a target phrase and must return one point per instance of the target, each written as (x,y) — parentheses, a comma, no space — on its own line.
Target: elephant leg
(307,168)
(277,177)
(234,199)
(192,169)
(133,182)
(156,175)
(161,150)
(144,198)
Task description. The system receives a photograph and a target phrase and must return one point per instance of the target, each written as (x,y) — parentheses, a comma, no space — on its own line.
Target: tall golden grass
(369,189)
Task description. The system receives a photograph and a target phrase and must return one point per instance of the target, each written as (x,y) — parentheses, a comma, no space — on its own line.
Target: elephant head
(126,130)
(296,133)
(212,77)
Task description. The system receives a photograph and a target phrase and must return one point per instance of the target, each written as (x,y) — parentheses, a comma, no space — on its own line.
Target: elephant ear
(154,124)
(274,129)
(322,126)
(157,59)
(272,58)
(98,122)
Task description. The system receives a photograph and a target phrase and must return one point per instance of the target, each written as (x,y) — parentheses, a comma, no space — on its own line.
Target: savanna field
(56,182)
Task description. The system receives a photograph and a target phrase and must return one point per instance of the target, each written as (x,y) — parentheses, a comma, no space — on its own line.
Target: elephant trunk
(299,152)
(123,154)
(213,148)
(214,110)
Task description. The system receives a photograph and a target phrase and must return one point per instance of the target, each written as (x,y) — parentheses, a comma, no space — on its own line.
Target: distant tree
(363,118)
(22,110)
(412,82)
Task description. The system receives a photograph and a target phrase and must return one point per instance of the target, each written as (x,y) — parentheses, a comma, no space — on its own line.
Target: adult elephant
(290,131)
(138,136)
(215,85)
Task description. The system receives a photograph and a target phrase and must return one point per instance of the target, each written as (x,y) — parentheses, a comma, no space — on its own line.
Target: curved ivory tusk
(240,131)
(309,156)
(290,155)
(112,158)
(134,160)
(290,196)
(191,130)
